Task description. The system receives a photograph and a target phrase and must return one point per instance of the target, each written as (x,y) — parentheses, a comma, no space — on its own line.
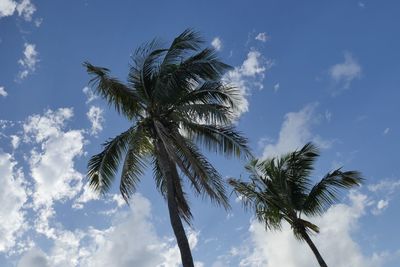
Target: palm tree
(280,189)
(174,100)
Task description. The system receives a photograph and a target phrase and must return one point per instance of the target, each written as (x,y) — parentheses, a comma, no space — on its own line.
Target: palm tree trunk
(314,249)
(169,172)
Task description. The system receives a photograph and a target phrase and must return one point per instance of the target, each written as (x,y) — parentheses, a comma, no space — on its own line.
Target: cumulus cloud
(112,246)
(262,36)
(29,60)
(247,76)
(13,195)
(115,248)
(280,248)
(24,9)
(217,43)
(52,161)
(344,73)
(295,132)
(95,116)
(3,91)
(34,258)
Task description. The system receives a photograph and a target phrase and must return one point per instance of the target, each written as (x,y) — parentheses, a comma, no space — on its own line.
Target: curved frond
(144,71)
(325,192)
(222,139)
(214,114)
(210,92)
(117,94)
(103,166)
(188,40)
(202,175)
(135,162)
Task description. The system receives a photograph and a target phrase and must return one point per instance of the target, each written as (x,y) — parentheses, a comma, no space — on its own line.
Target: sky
(320,71)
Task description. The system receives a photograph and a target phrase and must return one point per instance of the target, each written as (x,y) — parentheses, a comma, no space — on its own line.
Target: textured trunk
(314,249)
(169,172)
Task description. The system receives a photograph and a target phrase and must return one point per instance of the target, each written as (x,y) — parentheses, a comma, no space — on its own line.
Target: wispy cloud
(262,36)
(90,95)
(3,91)
(344,73)
(28,61)
(95,116)
(217,43)
(386,131)
(296,131)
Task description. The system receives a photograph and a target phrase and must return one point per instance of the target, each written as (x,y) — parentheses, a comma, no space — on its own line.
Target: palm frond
(326,192)
(144,69)
(210,92)
(214,114)
(202,175)
(117,94)
(179,195)
(103,166)
(188,40)
(135,162)
(221,139)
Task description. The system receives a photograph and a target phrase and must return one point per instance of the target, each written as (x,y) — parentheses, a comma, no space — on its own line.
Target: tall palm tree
(280,189)
(174,100)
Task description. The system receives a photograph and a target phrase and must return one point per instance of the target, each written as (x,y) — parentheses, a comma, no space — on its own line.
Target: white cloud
(247,76)
(276,87)
(253,65)
(344,73)
(380,206)
(7,8)
(337,226)
(52,162)
(3,91)
(89,94)
(328,115)
(217,43)
(29,61)
(34,258)
(386,131)
(112,246)
(87,194)
(296,132)
(95,116)
(385,186)
(15,140)
(262,36)
(24,8)
(13,195)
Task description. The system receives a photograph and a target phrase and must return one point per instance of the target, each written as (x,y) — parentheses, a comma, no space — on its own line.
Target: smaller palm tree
(281,190)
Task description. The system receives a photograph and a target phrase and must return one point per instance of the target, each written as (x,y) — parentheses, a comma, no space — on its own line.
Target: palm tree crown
(175,100)
(281,189)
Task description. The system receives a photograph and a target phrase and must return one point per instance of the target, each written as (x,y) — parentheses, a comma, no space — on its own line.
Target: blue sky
(321,71)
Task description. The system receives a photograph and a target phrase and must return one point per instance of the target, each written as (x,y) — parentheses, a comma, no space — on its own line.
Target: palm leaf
(116,93)
(221,139)
(325,192)
(103,166)
(135,162)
